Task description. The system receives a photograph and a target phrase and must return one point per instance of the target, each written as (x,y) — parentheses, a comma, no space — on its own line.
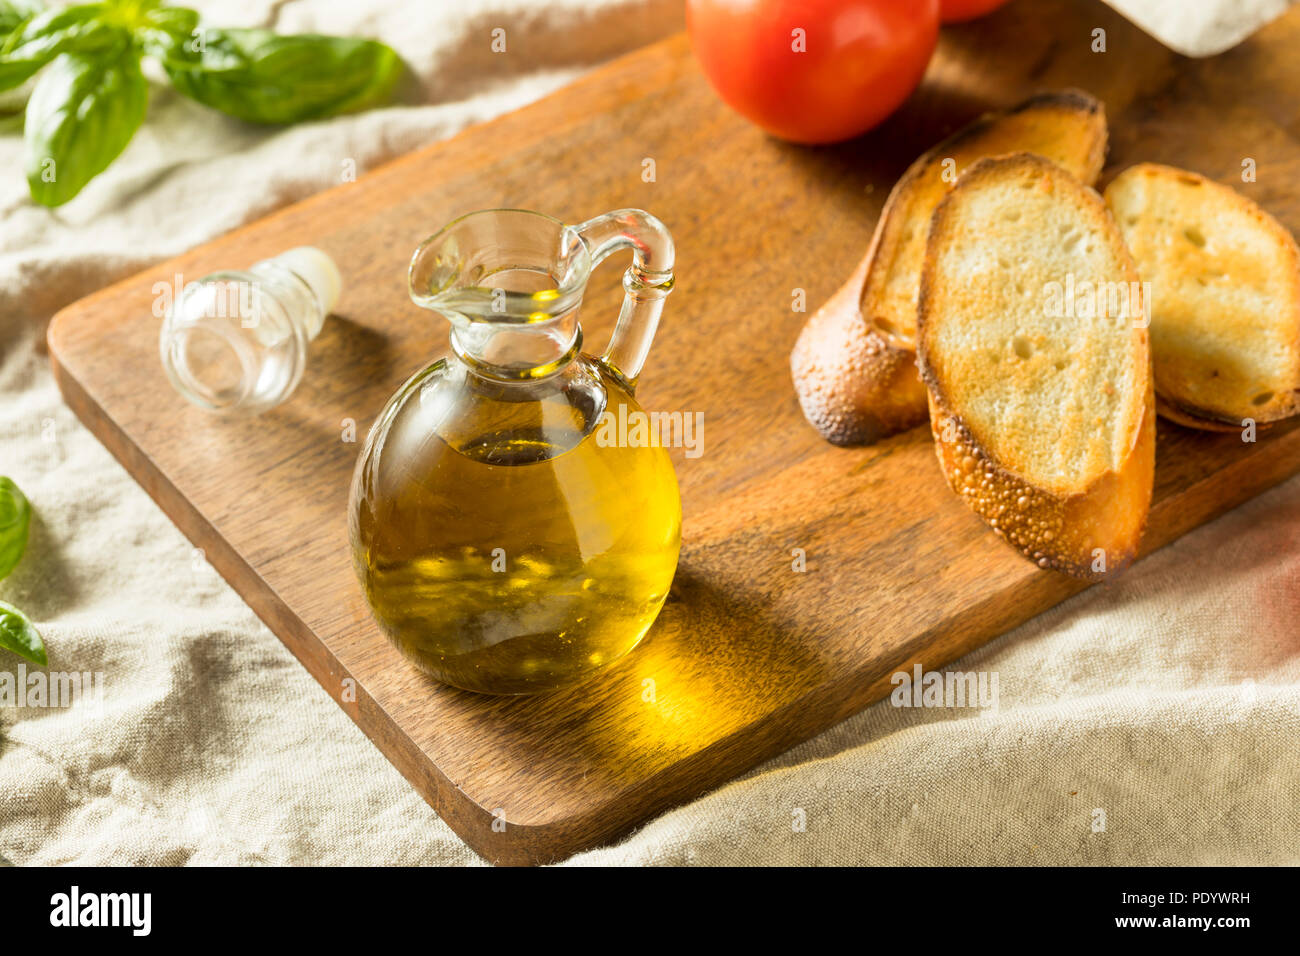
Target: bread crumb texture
(1225,290)
(1051,393)
(1038,368)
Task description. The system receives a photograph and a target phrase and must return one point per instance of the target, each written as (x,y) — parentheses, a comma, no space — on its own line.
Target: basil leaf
(41,38)
(166,32)
(264,78)
(13,14)
(18,634)
(83,112)
(15,518)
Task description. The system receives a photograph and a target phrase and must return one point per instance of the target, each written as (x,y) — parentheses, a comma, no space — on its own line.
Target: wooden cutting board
(749,656)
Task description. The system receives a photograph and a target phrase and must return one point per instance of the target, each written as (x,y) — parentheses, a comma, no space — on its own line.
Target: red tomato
(958,11)
(813,71)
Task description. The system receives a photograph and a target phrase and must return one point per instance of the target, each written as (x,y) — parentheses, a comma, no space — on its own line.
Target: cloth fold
(1200,27)
(1153,721)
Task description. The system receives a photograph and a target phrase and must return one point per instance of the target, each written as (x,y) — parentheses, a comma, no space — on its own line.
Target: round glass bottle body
(504,543)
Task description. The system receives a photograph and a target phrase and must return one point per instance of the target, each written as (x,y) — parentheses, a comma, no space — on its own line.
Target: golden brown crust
(1089,534)
(1190,418)
(855,386)
(854,362)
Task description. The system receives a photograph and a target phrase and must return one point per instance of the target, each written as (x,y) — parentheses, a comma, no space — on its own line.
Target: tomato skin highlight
(813,71)
(959,11)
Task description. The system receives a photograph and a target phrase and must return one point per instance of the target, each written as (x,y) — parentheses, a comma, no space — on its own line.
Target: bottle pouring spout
(511,284)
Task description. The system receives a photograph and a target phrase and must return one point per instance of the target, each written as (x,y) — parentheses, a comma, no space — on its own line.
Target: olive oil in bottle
(504,543)
(519,560)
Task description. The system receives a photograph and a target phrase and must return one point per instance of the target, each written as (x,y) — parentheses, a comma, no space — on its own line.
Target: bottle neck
(515,351)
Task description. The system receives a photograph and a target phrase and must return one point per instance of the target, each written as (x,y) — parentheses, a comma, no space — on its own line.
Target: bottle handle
(646,283)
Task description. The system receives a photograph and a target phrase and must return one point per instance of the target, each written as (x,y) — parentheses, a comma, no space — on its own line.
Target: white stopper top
(318,270)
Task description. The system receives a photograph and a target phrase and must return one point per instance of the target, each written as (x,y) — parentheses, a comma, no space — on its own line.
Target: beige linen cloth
(1154,721)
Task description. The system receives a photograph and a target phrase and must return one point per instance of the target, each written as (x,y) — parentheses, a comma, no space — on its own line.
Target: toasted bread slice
(1175,414)
(854,364)
(1040,393)
(1224,277)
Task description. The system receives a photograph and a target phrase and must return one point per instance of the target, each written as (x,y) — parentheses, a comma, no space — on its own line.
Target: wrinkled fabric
(1200,27)
(1152,721)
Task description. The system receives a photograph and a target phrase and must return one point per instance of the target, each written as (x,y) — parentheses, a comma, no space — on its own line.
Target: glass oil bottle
(501,547)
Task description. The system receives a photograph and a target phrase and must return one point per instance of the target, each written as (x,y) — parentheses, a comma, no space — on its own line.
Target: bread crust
(1056,531)
(1190,419)
(854,386)
(854,372)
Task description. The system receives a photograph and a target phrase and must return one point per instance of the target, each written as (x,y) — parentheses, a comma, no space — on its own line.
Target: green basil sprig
(92,96)
(15,519)
(262,77)
(39,38)
(166,31)
(83,112)
(13,14)
(17,633)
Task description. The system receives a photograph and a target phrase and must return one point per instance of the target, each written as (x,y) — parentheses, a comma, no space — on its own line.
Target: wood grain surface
(749,656)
